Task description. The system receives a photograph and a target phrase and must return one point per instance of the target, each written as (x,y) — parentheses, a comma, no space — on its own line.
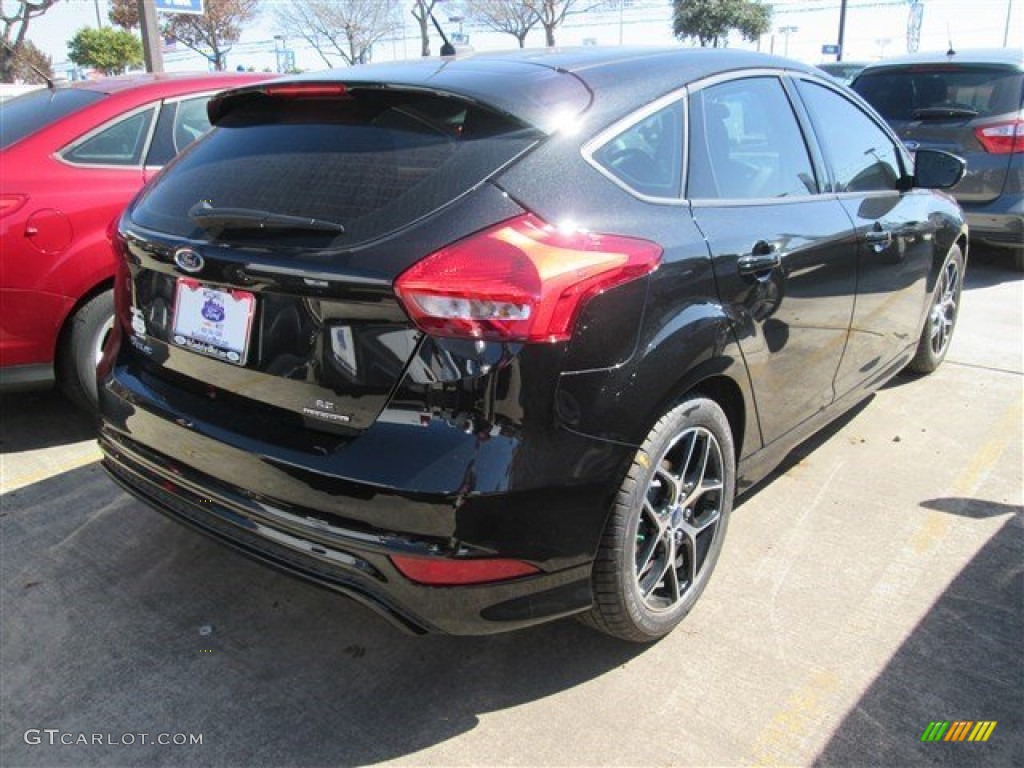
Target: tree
(710,21)
(216,30)
(551,13)
(16,17)
(32,65)
(511,17)
(421,10)
(343,28)
(124,14)
(109,50)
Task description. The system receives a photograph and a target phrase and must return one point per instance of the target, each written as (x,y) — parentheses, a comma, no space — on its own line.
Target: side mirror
(934,169)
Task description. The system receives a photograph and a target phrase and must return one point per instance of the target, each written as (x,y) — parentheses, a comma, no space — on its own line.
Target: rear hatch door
(262,260)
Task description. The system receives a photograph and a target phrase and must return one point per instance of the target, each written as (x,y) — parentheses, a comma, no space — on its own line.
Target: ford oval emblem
(188,260)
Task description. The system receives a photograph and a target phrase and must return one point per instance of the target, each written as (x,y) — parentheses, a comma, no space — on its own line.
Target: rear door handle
(762,259)
(880,238)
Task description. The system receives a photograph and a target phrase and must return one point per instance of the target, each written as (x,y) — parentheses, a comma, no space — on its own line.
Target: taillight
(440,572)
(11,203)
(521,280)
(1002,138)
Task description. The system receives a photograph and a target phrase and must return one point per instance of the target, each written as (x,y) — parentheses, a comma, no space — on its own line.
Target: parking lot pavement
(872,587)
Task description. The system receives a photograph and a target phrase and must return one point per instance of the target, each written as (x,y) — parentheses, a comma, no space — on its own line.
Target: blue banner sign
(193,7)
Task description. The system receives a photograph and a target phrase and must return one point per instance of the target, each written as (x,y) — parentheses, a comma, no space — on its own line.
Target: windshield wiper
(208,217)
(940,113)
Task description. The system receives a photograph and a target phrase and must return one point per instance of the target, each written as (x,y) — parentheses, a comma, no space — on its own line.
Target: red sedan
(71,158)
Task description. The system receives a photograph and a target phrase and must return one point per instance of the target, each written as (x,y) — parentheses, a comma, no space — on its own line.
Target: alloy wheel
(944,308)
(680,518)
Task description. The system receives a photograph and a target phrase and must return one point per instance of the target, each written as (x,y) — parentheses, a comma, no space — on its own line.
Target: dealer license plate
(212,321)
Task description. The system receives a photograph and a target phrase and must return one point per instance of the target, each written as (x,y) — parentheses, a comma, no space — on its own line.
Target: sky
(874,29)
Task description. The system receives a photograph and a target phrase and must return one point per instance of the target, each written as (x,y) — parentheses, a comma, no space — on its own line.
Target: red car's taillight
(521,280)
(1002,138)
(440,572)
(11,203)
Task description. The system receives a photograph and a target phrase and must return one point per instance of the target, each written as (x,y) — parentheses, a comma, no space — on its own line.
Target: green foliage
(111,51)
(710,21)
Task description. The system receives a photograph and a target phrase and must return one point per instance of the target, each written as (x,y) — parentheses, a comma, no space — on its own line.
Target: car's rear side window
(647,157)
(898,94)
(26,114)
(372,161)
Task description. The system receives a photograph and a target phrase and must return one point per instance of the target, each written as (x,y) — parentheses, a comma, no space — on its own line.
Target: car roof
(122,83)
(1013,57)
(530,83)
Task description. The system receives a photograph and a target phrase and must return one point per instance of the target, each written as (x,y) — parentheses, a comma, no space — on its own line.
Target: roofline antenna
(33,67)
(447,49)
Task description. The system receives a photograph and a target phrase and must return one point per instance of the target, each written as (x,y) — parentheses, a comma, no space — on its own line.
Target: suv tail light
(521,280)
(1002,138)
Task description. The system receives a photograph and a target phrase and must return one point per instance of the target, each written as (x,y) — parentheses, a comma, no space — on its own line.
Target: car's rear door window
(372,161)
(745,143)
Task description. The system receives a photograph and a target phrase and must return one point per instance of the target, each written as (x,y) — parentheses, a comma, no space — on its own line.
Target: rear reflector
(1002,138)
(521,280)
(11,203)
(439,572)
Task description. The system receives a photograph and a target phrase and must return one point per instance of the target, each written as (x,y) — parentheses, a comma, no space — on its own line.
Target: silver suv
(970,103)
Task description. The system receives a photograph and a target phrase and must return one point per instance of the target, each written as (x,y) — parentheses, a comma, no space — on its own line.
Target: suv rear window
(898,93)
(371,161)
(29,112)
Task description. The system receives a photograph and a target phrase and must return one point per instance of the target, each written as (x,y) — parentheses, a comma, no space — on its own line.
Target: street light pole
(842,29)
(1006,27)
(787,31)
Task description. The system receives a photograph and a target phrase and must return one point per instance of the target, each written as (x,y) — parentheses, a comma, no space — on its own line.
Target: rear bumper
(339,533)
(999,223)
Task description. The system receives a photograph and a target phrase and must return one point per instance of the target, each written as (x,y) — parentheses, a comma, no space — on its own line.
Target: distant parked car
(72,158)
(486,342)
(970,103)
(843,71)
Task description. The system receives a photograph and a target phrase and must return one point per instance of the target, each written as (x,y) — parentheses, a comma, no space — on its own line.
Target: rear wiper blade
(209,217)
(939,113)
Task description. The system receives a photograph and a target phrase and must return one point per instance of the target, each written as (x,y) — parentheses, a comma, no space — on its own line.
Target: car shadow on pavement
(989,266)
(33,420)
(976,509)
(117,620)
(962,662)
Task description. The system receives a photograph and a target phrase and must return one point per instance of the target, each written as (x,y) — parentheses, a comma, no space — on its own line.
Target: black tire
(1018,259)
(943,311)
(79,354)
(660,524)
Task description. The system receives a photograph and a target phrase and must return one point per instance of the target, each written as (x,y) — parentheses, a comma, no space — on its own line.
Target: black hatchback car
(970,103)
(486,342)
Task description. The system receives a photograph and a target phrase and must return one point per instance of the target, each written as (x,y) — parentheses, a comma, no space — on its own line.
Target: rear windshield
(26,114)
(897,94)
(372,161)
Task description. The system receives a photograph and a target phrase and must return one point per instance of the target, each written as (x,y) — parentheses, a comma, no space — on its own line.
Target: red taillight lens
(11,203)
(439,572)
(521,280)
(1002,138)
